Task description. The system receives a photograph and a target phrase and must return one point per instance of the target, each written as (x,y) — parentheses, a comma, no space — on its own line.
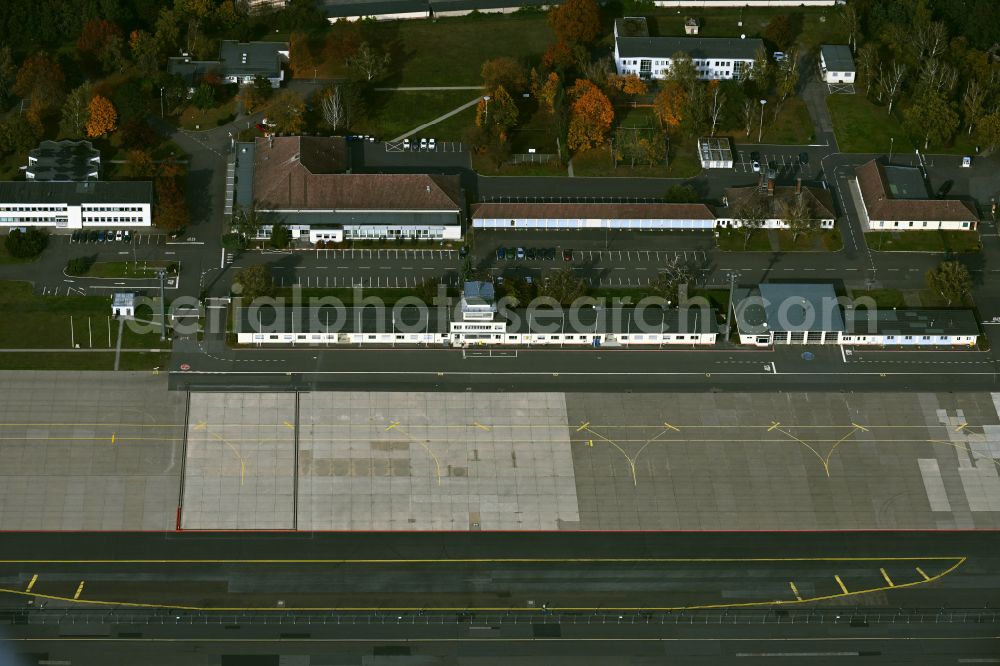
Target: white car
(966,161)
(119,235)
(423,144)
(406,144)
(755,165)
(432,144)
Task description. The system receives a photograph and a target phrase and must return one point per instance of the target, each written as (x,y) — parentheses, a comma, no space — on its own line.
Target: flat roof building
(70,205)
(63,161)
(836,64)
(239,62)
(715,152)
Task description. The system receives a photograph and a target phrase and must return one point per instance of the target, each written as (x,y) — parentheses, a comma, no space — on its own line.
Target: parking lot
(624,257)
(386,253)
(93,236)
(784,163)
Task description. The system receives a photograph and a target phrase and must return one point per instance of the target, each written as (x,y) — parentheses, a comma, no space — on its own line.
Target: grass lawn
(193,118)
(924,241)
(732,240)
(346,296)
(392,113)
(824,241)
(884,298)
(717,298)
(453,128)
(485,167)
(864,127)
(143,361)
(127,269)
(32,321)
(792,126)
(48,361)
(451,51)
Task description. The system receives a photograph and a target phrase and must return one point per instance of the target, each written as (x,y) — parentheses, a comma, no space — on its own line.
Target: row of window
(113,219)
(910,225)
(111,209)
(32,209)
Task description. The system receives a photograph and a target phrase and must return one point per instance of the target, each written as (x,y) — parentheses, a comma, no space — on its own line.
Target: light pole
(891,141)
(163,308)
(486,111)
(731,312)
(161,101)
(760,131)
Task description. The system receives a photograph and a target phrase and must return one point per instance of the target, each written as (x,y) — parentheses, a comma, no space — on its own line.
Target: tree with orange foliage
(670,102)
(591,116)
(300,54)
(576,21)
(559,56)
(94,37)
(497,114)
(630,84)
(102,117)
(504,71)
(548,91)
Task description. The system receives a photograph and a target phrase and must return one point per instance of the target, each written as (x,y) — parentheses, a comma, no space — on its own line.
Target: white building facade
(567,216)
(836,64)
(67,205)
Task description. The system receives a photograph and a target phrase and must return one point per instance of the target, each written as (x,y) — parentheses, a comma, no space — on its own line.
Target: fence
(532,158)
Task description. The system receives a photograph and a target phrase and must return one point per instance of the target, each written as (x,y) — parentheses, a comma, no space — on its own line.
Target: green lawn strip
(792,126)
(732,240)
(143,360)
(126,269)
(884,298)
(31,321)
(485,167)
(924,241)
(193,118)
(453,128)
(864,127)
(347,296)
(825,241)
(392,113)
(57,361)
(932,299)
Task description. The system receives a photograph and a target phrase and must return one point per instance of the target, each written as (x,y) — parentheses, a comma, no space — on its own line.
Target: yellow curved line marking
(826,467)
(236,452)
(425,446)
(745,604)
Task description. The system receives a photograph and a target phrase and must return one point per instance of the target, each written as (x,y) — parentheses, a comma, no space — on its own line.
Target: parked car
(501,254)
(567,255)
(967,161)
(110,235)
(432,144)
(529,280)
(128,236)
(406,144)
(463,251)
(550,254)
(520,253)
(262,127)
(75,238)
(119,235)
(423,144)
(755,165)
(92,236)
(499,280)
(511,252)
(945,189)
(531,253)
(100,236)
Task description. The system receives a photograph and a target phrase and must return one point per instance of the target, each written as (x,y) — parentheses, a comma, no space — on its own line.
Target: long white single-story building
(896,198)
(651,57)
(305,184)
(779,313)
(71,205)
(775,200)
(638,216)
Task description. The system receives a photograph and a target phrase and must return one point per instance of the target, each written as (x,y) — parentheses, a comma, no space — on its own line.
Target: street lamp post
(760,131)
(486,111)
(892,140)
(161,101)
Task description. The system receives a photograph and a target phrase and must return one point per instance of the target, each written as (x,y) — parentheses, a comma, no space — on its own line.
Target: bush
(234,242)
(26,244)
(204,97)
(79,265)
(280,236)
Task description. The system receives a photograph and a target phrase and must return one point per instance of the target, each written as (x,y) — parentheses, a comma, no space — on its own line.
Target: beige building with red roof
(306,184)
(896,198)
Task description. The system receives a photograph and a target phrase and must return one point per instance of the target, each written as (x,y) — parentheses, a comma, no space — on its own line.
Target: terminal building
(476,322)
(305,183)
(555,216)
(779,313)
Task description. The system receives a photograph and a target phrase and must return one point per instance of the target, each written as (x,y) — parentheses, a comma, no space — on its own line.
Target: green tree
(19,133)
(761,72)
(951,279)
(498,114)
(75,111)
(564,286)
(41,78)
(988,131)
(681,194)
(931,117)
(255,281)
(280,236)
(247,221)
(504,71)
(204,96)
(256,94)
(783,29)
(8,71)
(867,65)
(25,244)
(368,63)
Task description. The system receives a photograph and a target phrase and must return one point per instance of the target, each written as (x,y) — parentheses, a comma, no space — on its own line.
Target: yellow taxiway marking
(590,443)
(391,426)
(859,427)
(774,424)
(887,579)
(79,590)
(583,427)
(31,583)
(236,452)
(423,444)
(200,425)
(956,563)
(481,426)
(288,425)
(795,591)
(672,427)
(962,427)
(921,572)
(112,439)
(841,584)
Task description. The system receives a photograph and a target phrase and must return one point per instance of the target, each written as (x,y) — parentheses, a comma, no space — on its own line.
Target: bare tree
(972,102)
(849,15)
(868,64)
(716,103)
(751,214)
(674,275)
(938,76)
(932,39)
(368,62)
(749,109)
(797,215)
(335,109)
(890,81)
(598,70)
(788,78)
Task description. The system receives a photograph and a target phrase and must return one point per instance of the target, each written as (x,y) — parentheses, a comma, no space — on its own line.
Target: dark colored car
(550,254)
(945,189)
(531,253)
(100,236)
(179,233)
(463,251)
(567,255)
(501,253)
(93,235)
(803,158)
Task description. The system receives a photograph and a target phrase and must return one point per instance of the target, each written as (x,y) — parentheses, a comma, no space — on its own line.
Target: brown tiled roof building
(884,211)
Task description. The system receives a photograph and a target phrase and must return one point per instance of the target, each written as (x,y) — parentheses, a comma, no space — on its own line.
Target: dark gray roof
(268,319)
(63,160)
(475,289)
(91,191)
(235,59)
(340,219)
(699,48)
(340,8)
(244,173)
(615,320)
(862,321)
(837,57)
(788,307)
